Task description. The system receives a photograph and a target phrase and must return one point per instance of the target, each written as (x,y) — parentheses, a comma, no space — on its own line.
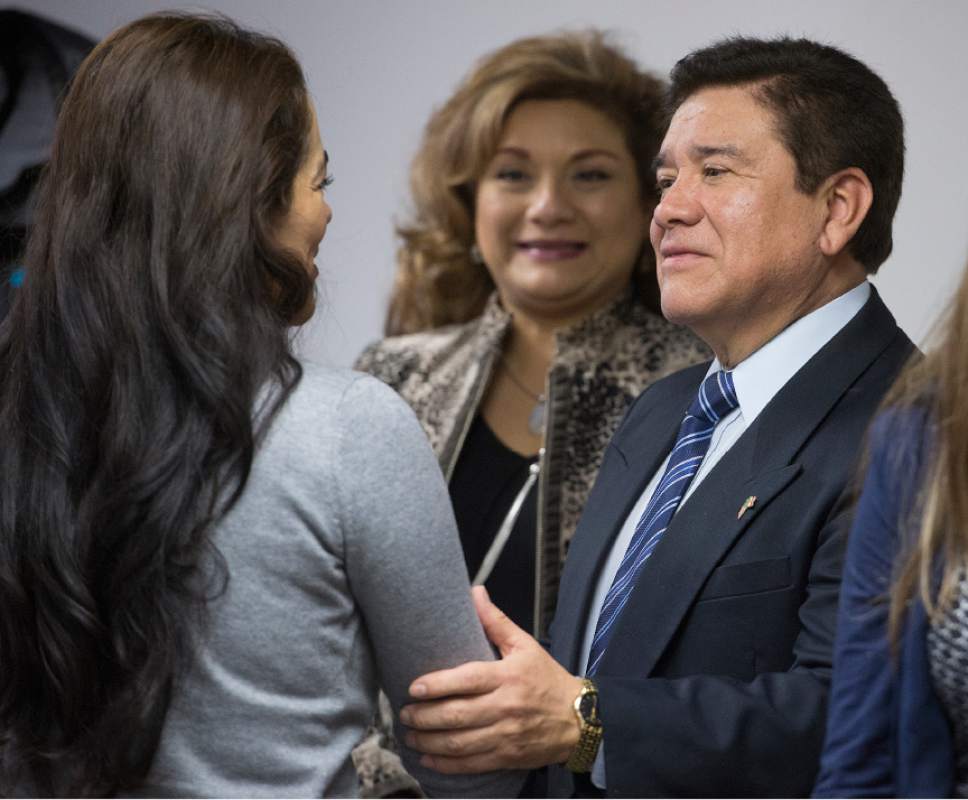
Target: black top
(487,478)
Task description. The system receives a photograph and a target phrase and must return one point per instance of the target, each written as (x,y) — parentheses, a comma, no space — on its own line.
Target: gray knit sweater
(345,574)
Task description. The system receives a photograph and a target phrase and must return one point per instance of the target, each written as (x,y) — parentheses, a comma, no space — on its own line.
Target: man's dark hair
(832,112)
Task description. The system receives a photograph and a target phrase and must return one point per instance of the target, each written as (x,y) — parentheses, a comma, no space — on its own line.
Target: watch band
(590,736)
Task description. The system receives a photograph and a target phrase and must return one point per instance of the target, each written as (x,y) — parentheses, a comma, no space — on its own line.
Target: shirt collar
(761,375)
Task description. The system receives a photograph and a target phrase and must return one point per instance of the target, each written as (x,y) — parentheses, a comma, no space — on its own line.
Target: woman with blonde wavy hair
(524,317)
(898,720)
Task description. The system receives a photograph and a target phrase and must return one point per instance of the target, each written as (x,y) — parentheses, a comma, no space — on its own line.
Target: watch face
(588,707)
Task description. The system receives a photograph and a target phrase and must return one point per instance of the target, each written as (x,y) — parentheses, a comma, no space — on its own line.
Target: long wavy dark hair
(141,363)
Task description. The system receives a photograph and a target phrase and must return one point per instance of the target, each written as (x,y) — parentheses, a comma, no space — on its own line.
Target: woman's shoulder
(331,403)
(634,341)
(900,437)
(899,446)
(345,393)
(676,346)
(394,358)
(408,343)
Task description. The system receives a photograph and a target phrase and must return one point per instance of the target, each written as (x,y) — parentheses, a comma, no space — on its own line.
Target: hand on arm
(514,713)
(397,525)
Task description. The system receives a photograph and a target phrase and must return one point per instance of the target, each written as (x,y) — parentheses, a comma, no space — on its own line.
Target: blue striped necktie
(716,398)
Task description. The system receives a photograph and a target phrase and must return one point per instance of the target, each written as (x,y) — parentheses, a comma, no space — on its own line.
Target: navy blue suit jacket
(715,679)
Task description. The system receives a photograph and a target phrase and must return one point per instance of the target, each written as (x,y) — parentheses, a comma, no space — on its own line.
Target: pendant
(536,419)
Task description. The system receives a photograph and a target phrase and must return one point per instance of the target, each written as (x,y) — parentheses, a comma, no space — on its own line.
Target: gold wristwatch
(590,737)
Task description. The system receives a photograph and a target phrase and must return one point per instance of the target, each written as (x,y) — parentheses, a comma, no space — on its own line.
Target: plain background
(377,68)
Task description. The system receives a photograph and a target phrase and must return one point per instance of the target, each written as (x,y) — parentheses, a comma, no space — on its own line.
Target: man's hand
(514,713)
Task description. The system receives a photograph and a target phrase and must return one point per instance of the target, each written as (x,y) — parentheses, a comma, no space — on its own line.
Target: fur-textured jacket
(601,365)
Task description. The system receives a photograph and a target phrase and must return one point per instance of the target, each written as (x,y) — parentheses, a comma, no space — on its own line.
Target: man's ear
(849,196)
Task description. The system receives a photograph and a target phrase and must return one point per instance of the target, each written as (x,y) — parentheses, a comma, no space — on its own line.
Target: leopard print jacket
(602,364)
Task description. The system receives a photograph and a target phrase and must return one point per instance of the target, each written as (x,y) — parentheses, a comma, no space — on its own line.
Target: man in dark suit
(699,595)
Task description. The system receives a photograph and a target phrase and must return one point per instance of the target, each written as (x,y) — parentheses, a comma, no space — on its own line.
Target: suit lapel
(762,463)
(803,403)
(699,537)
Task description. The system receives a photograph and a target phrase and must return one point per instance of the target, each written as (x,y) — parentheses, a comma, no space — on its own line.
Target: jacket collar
(590,333)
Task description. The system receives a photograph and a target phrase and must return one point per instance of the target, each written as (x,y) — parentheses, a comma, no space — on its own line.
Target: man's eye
(661,184)
(713,172)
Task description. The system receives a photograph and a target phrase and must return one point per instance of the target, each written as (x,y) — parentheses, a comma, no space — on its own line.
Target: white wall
(378,67)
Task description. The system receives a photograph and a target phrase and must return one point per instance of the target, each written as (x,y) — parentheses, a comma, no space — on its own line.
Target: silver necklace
(536,419)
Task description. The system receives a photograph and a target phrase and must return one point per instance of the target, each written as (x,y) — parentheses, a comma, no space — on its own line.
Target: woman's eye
(593,175)
(511,175)
(325,183)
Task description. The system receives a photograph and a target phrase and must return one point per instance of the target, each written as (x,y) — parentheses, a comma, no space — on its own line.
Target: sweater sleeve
(859,756)
(404,561)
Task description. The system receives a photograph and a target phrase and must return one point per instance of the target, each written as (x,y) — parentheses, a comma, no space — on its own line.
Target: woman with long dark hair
(199,583)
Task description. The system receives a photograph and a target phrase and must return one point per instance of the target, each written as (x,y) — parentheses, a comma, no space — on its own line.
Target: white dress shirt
(757,380)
